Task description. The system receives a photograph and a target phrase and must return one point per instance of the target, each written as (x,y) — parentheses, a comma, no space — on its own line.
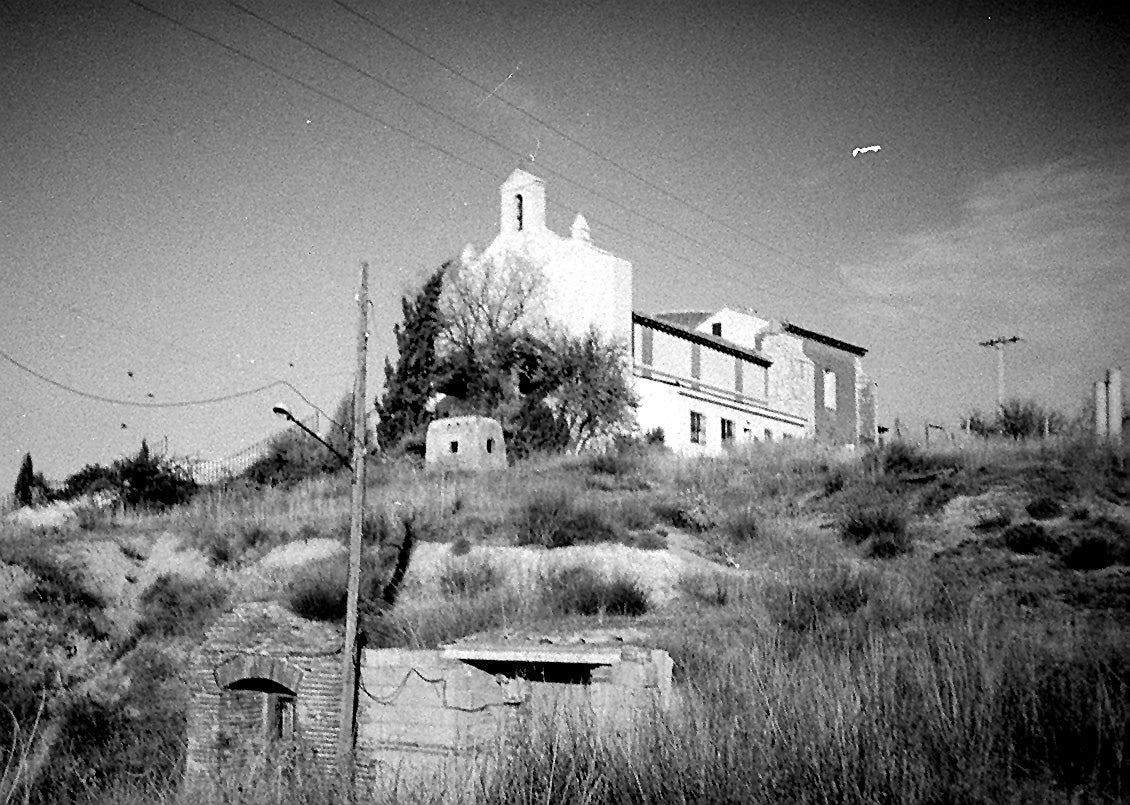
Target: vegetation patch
(1095,550)
(175,606)
(1044,508)
(551,519)
(884,525)
(470,576)
(1029,538)
(580,590)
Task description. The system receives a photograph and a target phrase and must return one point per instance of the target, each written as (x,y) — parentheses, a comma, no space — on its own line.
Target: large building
(708,379)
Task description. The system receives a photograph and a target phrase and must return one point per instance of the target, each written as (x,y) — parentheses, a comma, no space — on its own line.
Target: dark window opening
(518,199)
(561,673)
(280,716)
(698,428)
(727,430)
(490,445)
(716,328)
(768,435)
(454,447)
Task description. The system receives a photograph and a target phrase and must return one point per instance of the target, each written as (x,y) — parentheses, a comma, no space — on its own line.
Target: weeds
(580,590)
(174,606)
(1029,538)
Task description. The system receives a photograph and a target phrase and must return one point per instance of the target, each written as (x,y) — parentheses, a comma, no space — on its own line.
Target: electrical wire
(136,404)
(568,137)
(390,700)
(498,143)
(808,290)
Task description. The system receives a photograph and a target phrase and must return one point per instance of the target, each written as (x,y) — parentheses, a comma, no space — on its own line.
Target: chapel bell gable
(522,203)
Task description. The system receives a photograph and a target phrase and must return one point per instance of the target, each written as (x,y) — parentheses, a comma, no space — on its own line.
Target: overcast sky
(182,219)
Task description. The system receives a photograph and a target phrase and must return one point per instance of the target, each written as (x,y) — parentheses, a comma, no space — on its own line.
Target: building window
(698,428)
(768,435)
(829,389)
(454,447)
(490,446)
(518,200)
(716,328)
(727,431)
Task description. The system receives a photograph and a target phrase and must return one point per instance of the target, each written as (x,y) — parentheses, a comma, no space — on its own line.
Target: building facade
(708,379)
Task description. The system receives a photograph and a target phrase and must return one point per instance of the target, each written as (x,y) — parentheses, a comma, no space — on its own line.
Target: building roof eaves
(694,336)
(826,340)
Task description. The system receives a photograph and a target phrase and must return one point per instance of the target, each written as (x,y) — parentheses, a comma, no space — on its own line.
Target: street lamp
(279,410)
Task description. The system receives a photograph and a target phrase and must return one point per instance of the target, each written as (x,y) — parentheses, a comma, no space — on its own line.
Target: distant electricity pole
(999,344)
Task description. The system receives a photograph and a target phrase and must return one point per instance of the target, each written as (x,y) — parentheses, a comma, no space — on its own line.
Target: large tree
(411,384)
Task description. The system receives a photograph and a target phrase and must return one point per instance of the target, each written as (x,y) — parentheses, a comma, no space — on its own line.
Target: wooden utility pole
(999,344)
(356,514)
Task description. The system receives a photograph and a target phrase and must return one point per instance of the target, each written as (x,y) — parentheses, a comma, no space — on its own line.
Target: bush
(693,512)
(889,520)
(580,590)
(743,524)
(174,606)
(550,519)
(319,592)
(1028,538)
(1095,551)
(634,514)
(1044,508)
(887,545)
(470,577)
(804,605)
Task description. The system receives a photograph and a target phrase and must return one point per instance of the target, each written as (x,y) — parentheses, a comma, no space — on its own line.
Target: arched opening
(265,691)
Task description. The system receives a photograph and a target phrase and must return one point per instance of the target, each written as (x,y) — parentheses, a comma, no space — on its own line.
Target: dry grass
(810,672)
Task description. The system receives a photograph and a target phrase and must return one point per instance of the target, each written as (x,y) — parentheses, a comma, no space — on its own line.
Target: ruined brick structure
(265,683)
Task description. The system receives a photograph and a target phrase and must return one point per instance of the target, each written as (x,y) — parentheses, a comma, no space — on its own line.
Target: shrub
(805,604)
(551,520)
(470,577)
(889,544)
(655,436)
(174,606)
(1028,538)
(712,588)
(319,592)
(1095,551)
(693,512)
(743,524)
(1044,508)
(889,520)
(582,591)
(616,463)
(634,514)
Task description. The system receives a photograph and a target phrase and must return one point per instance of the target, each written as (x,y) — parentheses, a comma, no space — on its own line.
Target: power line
(806,290)
(568,137)
(502,145)
(137,404)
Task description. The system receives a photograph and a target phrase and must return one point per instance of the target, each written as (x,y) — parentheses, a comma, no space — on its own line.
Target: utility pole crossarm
(999,344)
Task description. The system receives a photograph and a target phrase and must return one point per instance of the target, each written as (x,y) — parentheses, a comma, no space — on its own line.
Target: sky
(187,191)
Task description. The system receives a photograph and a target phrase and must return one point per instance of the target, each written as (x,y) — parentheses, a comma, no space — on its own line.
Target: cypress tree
(25,482)
(412,382)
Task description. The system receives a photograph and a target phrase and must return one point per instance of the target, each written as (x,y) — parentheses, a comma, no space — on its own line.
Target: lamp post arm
(344,461)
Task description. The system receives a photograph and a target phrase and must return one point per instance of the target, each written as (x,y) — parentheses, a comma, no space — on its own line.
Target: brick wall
(282,655)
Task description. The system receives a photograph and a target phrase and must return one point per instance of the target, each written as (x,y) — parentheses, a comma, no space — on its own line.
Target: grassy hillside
(904,625)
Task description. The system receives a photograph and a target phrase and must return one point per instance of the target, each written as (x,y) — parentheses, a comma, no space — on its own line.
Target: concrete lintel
(569,655)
